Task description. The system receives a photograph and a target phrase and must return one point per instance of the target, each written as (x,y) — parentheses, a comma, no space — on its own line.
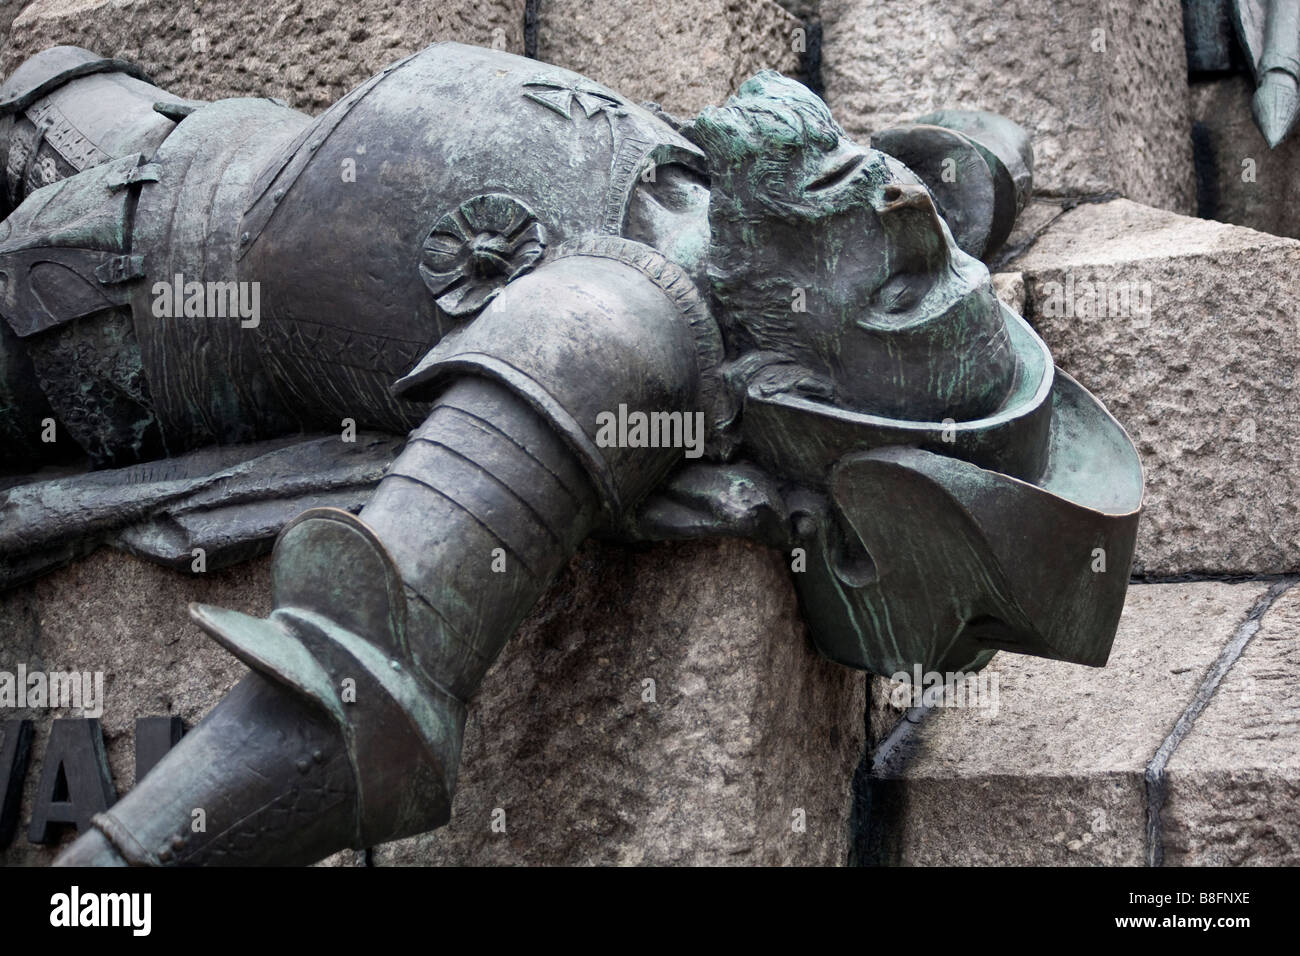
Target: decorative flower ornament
(474,250)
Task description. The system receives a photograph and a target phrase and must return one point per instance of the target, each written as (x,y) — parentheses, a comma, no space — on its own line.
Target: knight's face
(905,323)
(833,255)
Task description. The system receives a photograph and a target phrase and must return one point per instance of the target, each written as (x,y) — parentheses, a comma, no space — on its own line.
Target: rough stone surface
(1248,183)
(1036,218)
(125,617)
(683,56)
(8,10)
(1055,775)
(1234,781)
(307,52)
(1205,380)
(883,711)
(803,9)
(1009,287)
(1112,120)
(748,725)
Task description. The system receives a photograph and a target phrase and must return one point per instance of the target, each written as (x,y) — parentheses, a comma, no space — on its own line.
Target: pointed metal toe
(1275,106)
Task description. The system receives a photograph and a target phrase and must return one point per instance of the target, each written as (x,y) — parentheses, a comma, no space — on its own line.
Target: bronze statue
(1268,34)
(591,317)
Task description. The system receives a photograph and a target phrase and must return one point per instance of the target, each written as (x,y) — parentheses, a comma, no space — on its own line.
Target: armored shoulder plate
(66,110)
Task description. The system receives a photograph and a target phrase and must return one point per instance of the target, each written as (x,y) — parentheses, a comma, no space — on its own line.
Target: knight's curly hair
(760,132)
(756,145)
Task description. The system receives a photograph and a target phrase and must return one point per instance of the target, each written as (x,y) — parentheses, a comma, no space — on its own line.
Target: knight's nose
(900,195)
(911,222)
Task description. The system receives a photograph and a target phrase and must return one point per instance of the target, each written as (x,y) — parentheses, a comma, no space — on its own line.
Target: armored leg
(384,624)
(476,517)
(263,763)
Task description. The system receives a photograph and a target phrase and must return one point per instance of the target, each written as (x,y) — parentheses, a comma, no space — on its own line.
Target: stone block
(1233,784)
(750,735)
(659,705)
(1102,86)
(1185,329)
(1054,774)
(307,52)
(117,614)
(683,56)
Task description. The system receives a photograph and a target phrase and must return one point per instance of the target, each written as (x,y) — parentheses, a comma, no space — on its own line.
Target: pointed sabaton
(1275,106)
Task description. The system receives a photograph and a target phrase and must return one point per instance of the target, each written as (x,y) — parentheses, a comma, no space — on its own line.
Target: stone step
(1233,784)
(1182,750)
(1186,329)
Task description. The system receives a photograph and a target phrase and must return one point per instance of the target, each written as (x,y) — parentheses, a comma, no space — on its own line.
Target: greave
(384,625)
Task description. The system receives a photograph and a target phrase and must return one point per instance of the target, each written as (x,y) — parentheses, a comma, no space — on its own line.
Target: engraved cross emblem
(560,95)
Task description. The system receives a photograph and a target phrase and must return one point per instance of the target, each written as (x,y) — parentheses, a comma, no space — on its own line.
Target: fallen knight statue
(499,258)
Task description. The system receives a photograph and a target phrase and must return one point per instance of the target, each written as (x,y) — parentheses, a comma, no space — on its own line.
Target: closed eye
(837,175)
(901,293)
